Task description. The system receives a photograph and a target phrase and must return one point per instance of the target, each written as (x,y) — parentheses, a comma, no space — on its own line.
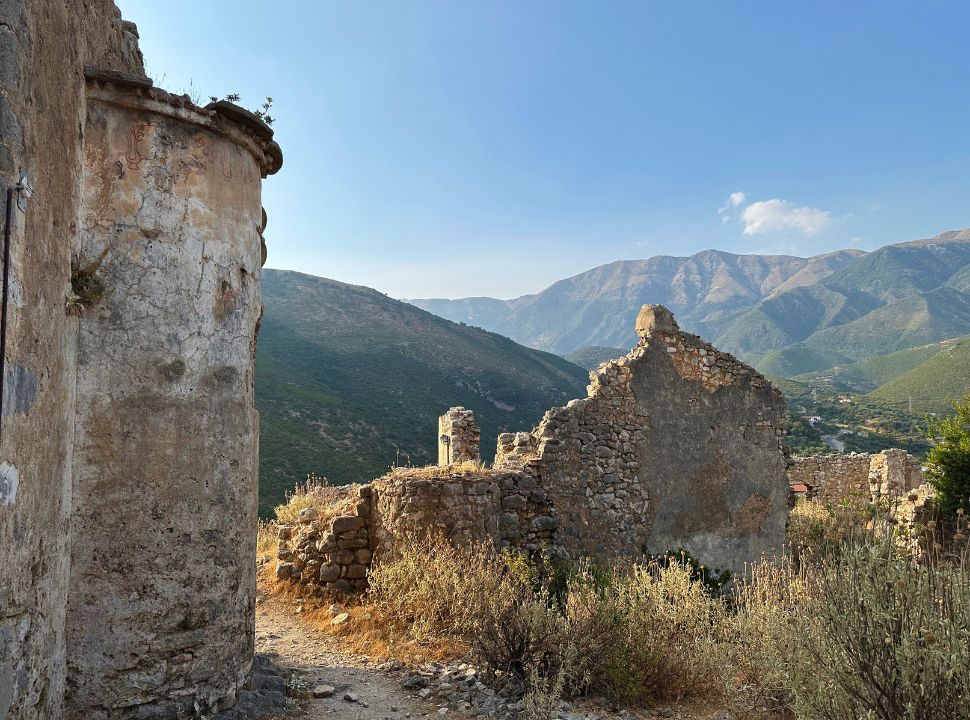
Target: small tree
(948,461)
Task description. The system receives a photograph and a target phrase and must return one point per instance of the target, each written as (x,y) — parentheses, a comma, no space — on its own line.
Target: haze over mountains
(787,315)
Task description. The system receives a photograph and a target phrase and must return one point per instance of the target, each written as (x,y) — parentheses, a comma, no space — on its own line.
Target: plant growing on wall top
(262,112)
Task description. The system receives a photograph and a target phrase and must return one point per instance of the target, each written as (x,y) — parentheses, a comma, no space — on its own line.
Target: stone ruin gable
(166,431)
(459,439)
(676,445)
(43,46)
(506,509)
(861,477)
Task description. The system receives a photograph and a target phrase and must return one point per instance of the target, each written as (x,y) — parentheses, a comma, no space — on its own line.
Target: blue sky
(453,148)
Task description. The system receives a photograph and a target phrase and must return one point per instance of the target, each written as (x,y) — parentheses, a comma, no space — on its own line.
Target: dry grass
(368,631)
(267,541)
(329,500)
(431,588)
(430,472)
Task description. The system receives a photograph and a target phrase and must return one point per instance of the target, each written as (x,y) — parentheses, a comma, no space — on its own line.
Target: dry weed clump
(866,633)
(329,500)
(633,634)
(267,540)
(431,588)
(668,636)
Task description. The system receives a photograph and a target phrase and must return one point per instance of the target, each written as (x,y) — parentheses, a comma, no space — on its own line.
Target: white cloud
(734,200)
(775,215)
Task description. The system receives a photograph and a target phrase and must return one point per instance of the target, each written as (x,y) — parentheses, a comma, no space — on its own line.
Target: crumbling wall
(167,266)
(43,46)
(677,445)
(506,509)
(459,439)
(832,477)
(856,477)
(330,551)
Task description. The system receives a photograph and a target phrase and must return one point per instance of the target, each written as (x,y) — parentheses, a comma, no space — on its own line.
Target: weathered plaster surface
(165,472)
(43,46)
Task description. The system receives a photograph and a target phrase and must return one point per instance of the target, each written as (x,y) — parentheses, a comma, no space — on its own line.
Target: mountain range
(787,315)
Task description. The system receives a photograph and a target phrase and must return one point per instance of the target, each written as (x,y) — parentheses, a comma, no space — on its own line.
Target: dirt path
(375,693)
(310,652)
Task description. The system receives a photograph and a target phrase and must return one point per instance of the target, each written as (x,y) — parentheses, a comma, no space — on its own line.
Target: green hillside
(349,381)
(591,356)
(866,375)
(934,384)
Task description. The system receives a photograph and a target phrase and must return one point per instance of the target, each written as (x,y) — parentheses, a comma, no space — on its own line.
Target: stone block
(346,523)
(356,572)
(329,573)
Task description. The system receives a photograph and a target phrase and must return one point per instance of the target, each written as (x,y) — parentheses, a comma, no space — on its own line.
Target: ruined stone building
(128,443)
(676,446)
(857,476)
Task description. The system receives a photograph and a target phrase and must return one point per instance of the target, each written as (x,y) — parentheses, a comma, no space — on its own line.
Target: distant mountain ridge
(599,307)
(787,315)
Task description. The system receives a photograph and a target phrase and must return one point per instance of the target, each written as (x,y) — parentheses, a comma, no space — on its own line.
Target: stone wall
(459,439)
(506,509)
(334,552)
(677,445)
(44,45)
(857,476)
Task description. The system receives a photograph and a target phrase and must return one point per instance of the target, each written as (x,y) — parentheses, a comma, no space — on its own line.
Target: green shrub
(948,461)
(871,635)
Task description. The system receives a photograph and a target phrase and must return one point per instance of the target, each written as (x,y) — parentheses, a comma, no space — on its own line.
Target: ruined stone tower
(166,431)
(129,437)
(458,437)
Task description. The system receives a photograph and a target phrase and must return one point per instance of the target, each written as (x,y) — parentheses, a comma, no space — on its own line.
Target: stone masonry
(129,435)
(677,446)
(458,437)
(856,476)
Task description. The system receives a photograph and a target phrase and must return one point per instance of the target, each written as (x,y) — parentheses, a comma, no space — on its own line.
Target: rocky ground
(323,682)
